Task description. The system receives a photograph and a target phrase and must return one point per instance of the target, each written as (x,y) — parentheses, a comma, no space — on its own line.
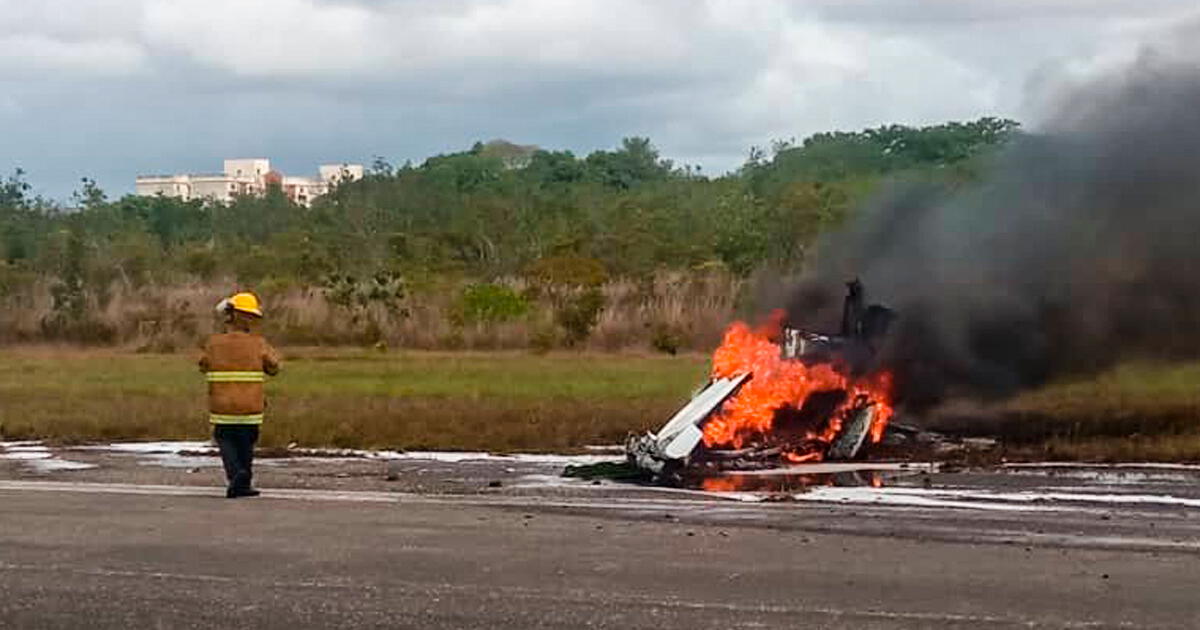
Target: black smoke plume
(1080,248)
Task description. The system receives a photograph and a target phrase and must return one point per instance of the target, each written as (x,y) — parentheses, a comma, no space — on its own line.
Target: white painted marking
(359,496)
(168,460)
(882,496)
(54,464)
(974,499)
(20,444)
(839,467)
(25,448)
(1112,477)
(1125,465)
(207,449)
(26,454)
(585,485)
(144,448)
(608,449)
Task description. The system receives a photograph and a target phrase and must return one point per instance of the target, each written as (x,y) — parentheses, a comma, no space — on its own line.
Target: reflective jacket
(236,364)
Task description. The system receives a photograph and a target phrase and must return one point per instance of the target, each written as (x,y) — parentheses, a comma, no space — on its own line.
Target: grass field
(520,402)
(1138,411)
(484,401)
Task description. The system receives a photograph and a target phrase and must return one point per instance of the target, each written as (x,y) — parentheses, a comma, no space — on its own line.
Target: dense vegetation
(541,244)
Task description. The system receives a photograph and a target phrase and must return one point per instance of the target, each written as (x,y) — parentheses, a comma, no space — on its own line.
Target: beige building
(247,177)
(333,173)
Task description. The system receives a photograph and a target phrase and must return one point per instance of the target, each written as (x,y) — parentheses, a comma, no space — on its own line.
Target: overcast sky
(113,88)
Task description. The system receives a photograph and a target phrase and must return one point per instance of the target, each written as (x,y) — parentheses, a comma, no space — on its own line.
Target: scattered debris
(979,443)
(393,472)
(613,470)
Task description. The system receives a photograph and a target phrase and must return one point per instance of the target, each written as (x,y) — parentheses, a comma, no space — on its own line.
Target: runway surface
(86,553)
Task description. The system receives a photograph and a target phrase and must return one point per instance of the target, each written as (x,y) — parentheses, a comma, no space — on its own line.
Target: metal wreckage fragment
(670,448)
(678,445)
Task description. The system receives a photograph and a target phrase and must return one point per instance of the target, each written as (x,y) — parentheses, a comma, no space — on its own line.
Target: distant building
(247,177)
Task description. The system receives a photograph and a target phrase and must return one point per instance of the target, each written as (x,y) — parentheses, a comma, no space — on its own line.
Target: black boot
(240,487)
(235,493)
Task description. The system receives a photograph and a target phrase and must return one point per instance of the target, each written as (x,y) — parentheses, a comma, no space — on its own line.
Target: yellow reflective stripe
(221,418)
(236,377)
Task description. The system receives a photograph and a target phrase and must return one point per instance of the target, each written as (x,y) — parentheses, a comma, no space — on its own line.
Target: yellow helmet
(246,303)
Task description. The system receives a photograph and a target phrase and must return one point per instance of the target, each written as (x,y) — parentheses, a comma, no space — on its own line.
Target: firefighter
(236,363)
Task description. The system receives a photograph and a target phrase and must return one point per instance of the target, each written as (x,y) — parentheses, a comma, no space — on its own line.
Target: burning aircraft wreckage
(779,395)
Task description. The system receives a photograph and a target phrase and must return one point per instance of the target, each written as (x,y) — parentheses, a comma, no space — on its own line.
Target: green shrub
(490,303)
(353,294)
(667,338)
(577,314)
(544,339)
(569,271)
(15,280)
(200,262)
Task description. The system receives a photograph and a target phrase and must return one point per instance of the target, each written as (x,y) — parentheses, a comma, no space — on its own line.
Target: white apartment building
(246,177)
(303,190)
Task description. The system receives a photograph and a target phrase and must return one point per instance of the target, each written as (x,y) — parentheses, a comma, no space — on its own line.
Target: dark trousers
(236,442)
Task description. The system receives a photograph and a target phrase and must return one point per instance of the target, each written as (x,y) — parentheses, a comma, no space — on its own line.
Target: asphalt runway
(78,554)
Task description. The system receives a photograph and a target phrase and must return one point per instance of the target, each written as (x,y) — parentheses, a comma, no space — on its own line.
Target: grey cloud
(951,12)
(110,88)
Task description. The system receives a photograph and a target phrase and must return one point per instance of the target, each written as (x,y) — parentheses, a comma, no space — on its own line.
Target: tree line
(494,211)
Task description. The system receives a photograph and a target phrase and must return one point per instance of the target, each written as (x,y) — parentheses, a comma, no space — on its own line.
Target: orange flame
(778,383)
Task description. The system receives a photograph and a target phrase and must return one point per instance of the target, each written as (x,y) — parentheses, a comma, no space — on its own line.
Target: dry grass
(413,400)
(697,306)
